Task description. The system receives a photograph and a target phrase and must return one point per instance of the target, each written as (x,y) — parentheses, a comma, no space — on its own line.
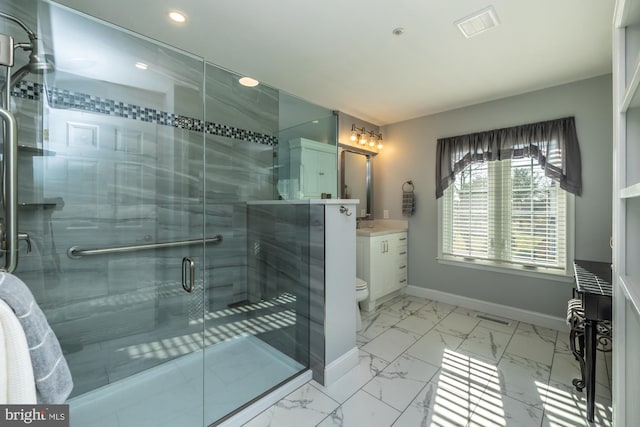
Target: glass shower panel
(115,170)
(248,336)
(307,154)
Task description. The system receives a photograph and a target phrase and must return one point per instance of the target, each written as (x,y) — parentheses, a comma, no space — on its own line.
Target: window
(506,213)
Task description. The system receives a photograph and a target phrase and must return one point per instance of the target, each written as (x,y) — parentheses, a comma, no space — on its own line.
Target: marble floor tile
(361,409)
(603,381)
(496,410)
(361,340)
(416,324)
(608,362)
(375,324)
(439,310)
(398,384)
(457,325)
(502,325)
(466,311)
(566,407)
(562,343)
(423,301)
(403,308)
(413,372)
(431,347)
(391,343)
(368,367)
(447,400)
(508,328)
(521,379)
(307,406)
(533,346)
(486,343)
(528,328)
(565,368)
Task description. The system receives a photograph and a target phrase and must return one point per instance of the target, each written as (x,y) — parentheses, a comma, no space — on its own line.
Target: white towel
(17,385)
(50,370)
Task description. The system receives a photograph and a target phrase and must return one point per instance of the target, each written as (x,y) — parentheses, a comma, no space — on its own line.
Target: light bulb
(372,143)
(380,146)
(363,139)
(353,136)
(177,16)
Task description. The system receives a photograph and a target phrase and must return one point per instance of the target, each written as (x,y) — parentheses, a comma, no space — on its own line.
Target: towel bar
(75,252)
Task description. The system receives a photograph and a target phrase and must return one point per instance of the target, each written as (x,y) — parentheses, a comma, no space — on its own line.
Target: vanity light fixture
(354,135)
(177,16)
(248,82)
(365,137)
(372,139)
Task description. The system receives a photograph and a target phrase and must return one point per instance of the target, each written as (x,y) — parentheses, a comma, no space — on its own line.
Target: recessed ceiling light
(141,65)
(315,122)
(177,16)
(248,82)
(478,22)
(398,31)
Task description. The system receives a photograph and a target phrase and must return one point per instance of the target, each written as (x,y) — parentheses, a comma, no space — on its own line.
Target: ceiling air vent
(478,22)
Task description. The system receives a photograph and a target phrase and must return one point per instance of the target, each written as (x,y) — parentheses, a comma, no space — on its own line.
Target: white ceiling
(343,55)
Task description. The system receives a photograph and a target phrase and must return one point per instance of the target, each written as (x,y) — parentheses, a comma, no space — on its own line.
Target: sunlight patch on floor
(460,386)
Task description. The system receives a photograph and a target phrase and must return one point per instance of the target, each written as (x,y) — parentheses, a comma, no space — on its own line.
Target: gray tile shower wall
(253,109)
(316,290)
(66,99)
(278,264)
(115,173)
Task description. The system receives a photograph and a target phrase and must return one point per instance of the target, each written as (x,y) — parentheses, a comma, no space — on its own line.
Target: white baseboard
(343,364)
(521,315)
(266,402)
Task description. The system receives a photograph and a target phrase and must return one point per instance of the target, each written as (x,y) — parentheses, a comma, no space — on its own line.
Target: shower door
(111,194)
(131,320)
(129,170)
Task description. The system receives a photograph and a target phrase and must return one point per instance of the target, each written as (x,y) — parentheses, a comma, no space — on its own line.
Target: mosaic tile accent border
(58,98)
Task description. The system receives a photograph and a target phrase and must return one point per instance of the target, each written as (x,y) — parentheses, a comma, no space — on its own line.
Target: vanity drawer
(402,250)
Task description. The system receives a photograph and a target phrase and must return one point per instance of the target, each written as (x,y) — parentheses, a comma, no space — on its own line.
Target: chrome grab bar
(75,252)
(10,190)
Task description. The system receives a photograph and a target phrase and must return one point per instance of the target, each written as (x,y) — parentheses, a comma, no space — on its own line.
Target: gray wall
(409,153)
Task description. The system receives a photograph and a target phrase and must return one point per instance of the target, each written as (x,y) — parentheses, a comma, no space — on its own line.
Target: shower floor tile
(170,392)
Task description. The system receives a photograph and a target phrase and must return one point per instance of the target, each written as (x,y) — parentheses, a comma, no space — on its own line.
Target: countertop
(382,227)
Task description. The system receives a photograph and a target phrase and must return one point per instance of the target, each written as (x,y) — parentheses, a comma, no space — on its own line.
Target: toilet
(362,293)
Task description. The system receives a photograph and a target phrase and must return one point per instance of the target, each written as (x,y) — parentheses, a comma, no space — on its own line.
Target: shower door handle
(188,274)
(10,190)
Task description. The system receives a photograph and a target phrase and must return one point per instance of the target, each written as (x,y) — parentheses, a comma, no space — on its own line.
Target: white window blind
(506,212)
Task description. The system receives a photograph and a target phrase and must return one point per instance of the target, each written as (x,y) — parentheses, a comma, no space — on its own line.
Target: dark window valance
(553,143)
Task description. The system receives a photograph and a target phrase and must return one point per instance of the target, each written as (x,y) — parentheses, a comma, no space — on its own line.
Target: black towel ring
(407,183)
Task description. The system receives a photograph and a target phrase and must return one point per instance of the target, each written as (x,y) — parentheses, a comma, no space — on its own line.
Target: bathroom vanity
(381,260)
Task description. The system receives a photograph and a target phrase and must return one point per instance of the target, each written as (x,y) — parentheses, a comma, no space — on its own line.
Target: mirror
(355,180)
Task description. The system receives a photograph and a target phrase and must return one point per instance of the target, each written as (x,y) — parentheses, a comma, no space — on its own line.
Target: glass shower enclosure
(142,174)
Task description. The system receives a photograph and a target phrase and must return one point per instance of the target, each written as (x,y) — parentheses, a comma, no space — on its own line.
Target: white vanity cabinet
(315,165)
(382,263)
